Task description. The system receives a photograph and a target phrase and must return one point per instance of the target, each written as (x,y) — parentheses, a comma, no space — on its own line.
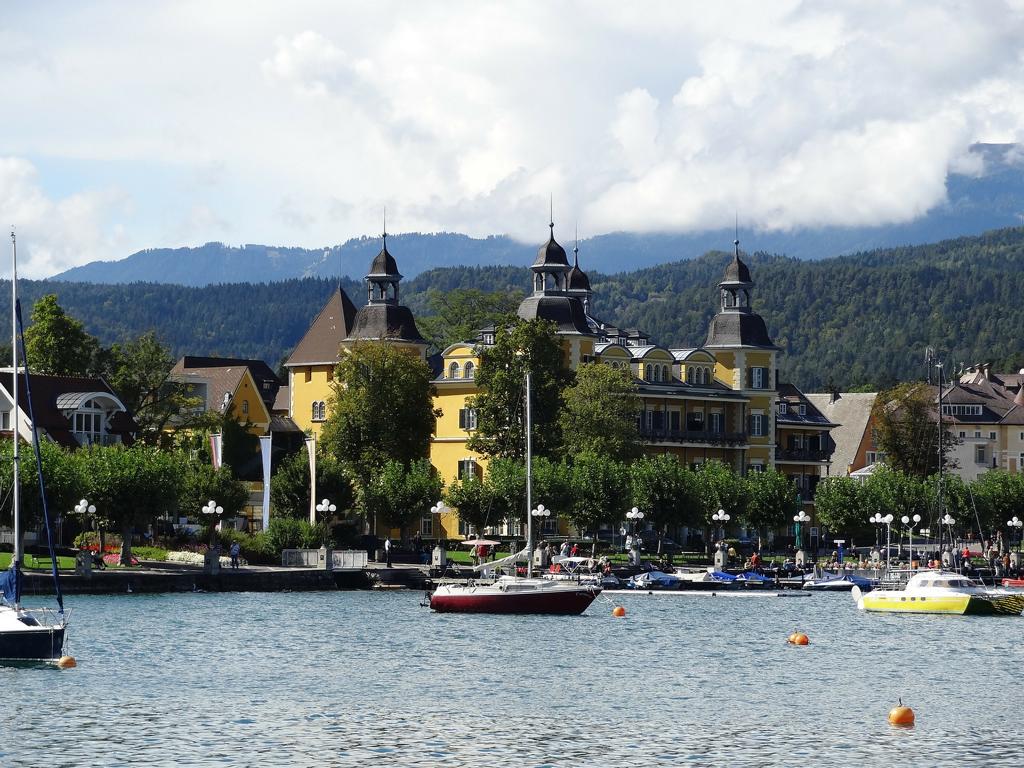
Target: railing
(340,559)
(693,436)
(800,454)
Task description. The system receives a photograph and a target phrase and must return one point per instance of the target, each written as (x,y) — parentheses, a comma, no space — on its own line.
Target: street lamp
(910,534)
(326,506)
(83,508)
(798,518)
(885,520)
(722,517)
(438,509)
(213,511)
(1015,523)
(635,515)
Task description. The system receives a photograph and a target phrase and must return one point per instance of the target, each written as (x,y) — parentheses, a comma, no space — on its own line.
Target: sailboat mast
(938,510)
(529,484)
(15,494)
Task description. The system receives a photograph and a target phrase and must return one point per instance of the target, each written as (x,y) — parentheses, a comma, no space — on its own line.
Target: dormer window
(783,409)
(470,371)
(802,409)
(453,371)
(488,338)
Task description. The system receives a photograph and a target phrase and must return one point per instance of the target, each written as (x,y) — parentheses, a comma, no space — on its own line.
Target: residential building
(72,411)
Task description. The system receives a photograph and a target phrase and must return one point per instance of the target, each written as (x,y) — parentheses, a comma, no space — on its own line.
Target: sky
(127,125)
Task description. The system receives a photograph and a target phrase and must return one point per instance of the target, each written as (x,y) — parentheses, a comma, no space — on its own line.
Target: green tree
(456,315)
(892,492)
(473,499)
(131,487)
(999,496)
(524,346)
(842,505)
(289,486)
(137,371)
(202,483)
(599,413)
(666,491)
(600,491)
(506,481)
(381,409)
(907,429)
(61,475)
(56,343)
(553,486)
(398,494)
(771,501)
(718,487)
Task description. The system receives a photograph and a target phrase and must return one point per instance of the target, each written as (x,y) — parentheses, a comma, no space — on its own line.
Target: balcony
(703,436)
(800,454)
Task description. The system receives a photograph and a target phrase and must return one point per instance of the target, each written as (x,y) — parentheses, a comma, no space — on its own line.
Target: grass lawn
(63,563)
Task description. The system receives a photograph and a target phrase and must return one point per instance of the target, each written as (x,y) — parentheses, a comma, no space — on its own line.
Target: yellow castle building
(717,401)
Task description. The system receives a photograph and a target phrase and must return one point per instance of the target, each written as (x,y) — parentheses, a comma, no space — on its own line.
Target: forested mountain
(858,320)
(994,197)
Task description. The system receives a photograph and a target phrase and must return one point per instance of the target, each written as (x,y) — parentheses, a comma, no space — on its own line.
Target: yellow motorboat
(941,592)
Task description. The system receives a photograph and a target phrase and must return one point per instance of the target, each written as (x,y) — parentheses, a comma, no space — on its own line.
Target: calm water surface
(357,678)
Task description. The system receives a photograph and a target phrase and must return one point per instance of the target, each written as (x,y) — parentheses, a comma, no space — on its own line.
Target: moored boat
(941,592)
(515,594)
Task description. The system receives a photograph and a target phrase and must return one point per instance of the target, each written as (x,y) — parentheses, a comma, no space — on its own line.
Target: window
(695,421)
(759,378)
(802,409)
(5,420)
(673,420)
(468,468)
(991,435)
(245,407)
(715,423)
(757,425)
(782,409)
(319,410)
(453,371)
(979,454)
(961,410)
(658,420)
(470,370)
(427,525)
(691,379)
(488,338)
(757,466)
(964,434)
(977,433)
(467,418)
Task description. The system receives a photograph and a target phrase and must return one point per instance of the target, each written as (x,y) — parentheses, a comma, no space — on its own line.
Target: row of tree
(844,505)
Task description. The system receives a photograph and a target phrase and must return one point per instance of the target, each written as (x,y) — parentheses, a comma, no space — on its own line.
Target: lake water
(357,678)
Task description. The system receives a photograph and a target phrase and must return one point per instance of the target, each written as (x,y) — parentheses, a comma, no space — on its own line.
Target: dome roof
(551,254)
(385,322)
(566,312)
(578,280)
(737,272)
(738,329)
(384,264)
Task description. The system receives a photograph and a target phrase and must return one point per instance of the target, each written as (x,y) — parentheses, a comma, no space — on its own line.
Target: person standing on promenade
(234,551)
(387,551)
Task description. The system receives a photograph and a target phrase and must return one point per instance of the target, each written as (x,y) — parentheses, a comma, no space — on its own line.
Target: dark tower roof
(384,264)
(551,254)
(736,324)
(385,322)
(578,280)
(737,272)
(566,312)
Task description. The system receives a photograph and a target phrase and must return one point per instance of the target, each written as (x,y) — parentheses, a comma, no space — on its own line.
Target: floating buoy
(618,611)
(798,638)
(901,715)
(67,662)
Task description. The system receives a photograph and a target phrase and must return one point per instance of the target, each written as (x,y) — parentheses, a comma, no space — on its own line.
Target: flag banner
(265,445)
(216,447)
(311,450)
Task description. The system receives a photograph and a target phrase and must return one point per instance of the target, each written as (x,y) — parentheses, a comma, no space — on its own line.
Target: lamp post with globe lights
(83,508)
(439,557)
(721,551)
(885,520)
(540,513)
(1018,524)
(800,518)
(212,511)
(635,515)
(325,506)
(910,534)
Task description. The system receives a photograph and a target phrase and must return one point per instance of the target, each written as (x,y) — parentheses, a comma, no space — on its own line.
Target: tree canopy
(599,413)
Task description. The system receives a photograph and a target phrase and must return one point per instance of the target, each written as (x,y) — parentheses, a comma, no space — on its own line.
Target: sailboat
(36,634)
(516,594)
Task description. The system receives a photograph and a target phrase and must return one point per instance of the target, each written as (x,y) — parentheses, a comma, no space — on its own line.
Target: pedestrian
(387,551)
(234,551)
(575,550)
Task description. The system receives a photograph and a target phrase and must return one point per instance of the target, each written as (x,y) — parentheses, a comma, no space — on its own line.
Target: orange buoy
(67,662)
(901,715)
(798,638)
(618,611)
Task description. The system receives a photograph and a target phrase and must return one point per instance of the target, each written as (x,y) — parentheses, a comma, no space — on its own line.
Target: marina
(283,679)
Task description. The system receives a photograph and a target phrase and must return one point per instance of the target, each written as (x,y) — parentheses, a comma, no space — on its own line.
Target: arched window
(470,372)
(245,407)
(664,373)
(453,370)
(690,375)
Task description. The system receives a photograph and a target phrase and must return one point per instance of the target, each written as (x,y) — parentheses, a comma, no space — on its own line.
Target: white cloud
(297,124)
(54,234)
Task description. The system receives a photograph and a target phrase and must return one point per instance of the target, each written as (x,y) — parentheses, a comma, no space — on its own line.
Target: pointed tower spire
(576,248)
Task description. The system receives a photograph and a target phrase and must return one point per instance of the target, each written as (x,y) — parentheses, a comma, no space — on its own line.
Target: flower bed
(197,558)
